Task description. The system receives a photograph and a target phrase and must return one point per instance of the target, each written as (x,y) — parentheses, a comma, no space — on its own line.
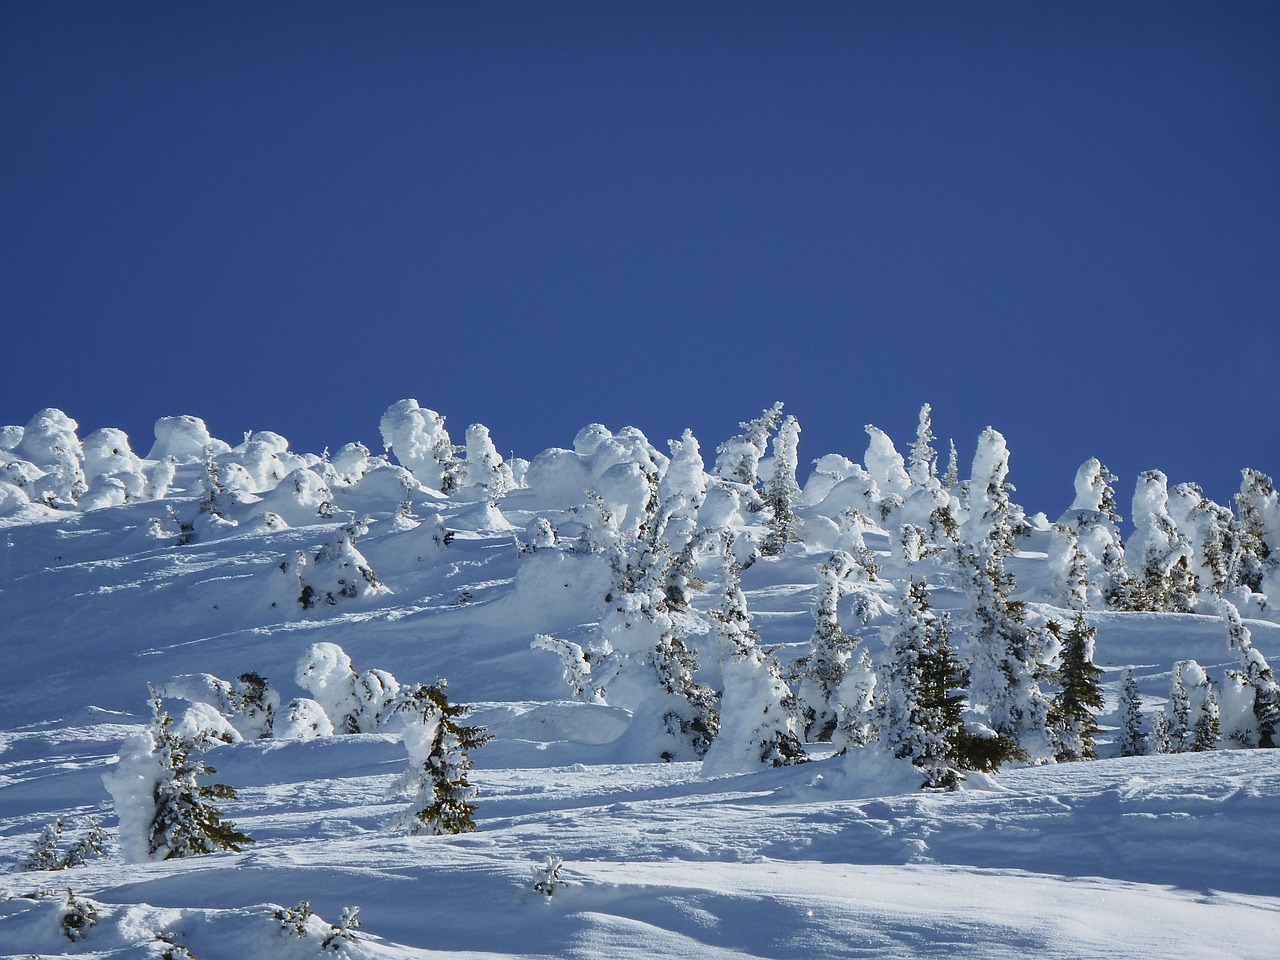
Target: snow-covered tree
(1096,524)
(854,701)
(439,762)
(1069,569)
(1256,676)
(919,714)
(577,663)
(781,489)
(1007,659)
(485,467)
(1072,721)
(337,571)
(163,809)
(822,671)
(1157,553)
(1133,739)
(419,440)
(922,463)
(738,458)
(757,726)
(1007,656)
(353,702)
(1192,714)
(1258,505)
(645,666)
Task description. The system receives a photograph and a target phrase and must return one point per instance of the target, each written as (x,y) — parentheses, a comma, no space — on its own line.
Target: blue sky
(1059,219)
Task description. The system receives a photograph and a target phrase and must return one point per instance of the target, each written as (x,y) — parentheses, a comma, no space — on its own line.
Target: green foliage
(445,794)
(1072,720)
(45,856)
(1133,741)
(185,822)
(979,750)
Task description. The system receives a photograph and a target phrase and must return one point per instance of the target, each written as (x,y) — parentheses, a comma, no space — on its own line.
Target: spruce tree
(1256,672)
(438,744)
(920,713)
(755,716)
(821,672)
(164,811)
(781,489)
(1133,740)
(1177,713)
(1072,719)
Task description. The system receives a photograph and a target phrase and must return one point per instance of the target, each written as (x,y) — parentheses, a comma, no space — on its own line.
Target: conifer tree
(1257,673)
(1177,713)
(922,463)
(1206,732)
(821,672)
(164,811)
(438,744)
(1005,654)
(756,723)
(855,705)
(919,717)
(1072,721)
(781,489)
(738,458)
(1133,740)
(1069,569)
(1158,580)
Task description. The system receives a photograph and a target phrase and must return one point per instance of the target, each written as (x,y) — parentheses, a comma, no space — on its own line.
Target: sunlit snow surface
(1168,856)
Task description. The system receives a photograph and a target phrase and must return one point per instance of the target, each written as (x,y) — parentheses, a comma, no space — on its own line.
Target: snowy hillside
(867,708)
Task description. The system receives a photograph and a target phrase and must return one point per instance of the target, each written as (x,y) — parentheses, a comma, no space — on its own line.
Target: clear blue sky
(1061,219)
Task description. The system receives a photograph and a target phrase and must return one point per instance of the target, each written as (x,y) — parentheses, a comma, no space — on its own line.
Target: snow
(843,856)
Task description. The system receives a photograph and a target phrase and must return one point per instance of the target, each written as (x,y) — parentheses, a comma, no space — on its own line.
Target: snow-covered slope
(117,571)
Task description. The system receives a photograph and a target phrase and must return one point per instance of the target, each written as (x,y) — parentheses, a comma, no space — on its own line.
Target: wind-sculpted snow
(265,591)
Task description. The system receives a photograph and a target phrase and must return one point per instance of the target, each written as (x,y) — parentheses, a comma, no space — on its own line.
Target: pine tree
(822,671)
(438,745)
(738,459)
(1133,740)
(855,706)
(919,718)
(781,489)
(164,811)
(1071,720)
(1178,713)
(1206,732)
(1256,672)
(755,715)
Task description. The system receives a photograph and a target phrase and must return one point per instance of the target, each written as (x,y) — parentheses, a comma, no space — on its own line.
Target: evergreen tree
(164,811)
(1072,721)
(855,704)
(1206,732)
(781,489)
(1160,578)
(738,458)
(821,672)
(438,744)
(1069,569)
(919,718)
(1177,713)
(1257,673)
(1133,740)
(1007,656)
(922,463)
(756,723)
